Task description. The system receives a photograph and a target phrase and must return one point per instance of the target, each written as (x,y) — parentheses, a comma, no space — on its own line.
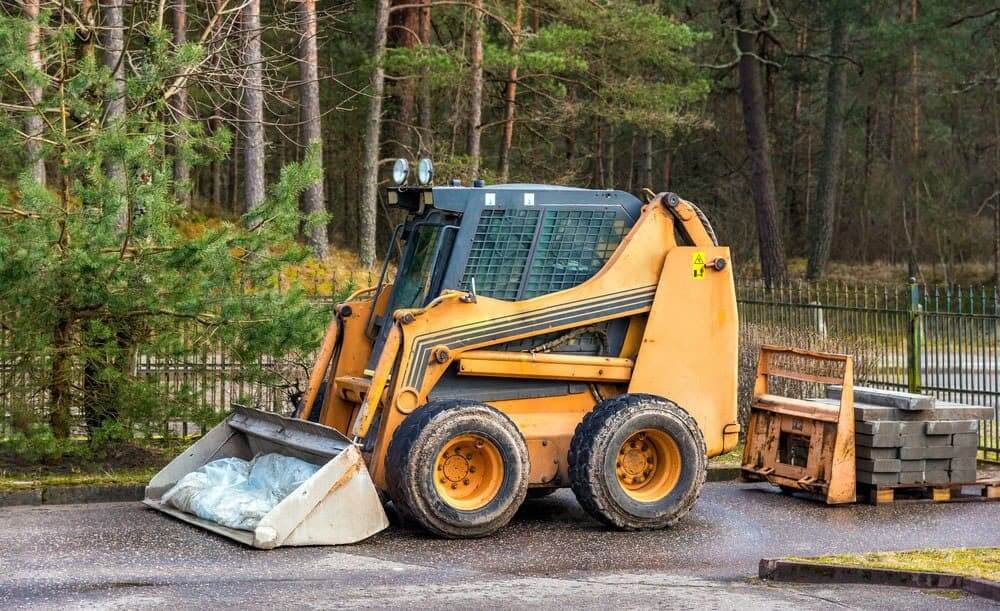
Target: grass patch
(732,458)
(124,462)
(28,481)
(983,562)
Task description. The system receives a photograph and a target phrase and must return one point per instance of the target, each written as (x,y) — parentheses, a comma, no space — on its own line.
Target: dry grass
(983,563)
(753,336)
(335,276)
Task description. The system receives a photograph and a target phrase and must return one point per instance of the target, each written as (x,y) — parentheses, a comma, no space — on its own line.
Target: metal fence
(944,341)
(204,377)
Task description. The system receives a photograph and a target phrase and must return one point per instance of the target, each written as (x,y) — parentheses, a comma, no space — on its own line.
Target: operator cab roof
(464,199)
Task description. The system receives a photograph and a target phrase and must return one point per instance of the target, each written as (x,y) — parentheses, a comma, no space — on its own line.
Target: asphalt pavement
(122,555)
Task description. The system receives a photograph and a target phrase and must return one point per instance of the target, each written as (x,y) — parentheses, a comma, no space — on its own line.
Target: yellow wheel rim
(468,472)
(648,465)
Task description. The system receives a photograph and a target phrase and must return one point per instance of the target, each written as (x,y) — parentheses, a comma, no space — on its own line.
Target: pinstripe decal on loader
(604,307)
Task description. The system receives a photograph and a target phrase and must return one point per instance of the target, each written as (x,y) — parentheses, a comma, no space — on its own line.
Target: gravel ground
(122,555)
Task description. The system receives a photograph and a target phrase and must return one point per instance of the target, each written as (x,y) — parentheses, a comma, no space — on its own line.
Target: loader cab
(509,242)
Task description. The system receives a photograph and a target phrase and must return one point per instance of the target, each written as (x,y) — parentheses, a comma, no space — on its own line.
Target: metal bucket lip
(317,440)
(337,505)
(245,537)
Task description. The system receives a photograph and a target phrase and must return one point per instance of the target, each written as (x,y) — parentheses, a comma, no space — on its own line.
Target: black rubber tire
(410,467)
(594,449)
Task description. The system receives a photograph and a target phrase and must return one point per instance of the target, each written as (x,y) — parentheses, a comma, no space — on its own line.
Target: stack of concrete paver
(906,439)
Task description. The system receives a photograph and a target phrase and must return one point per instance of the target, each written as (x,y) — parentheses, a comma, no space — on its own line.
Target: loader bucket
(337,505)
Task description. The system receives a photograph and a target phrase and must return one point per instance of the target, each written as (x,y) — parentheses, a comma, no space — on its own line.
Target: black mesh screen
(572,246)
(500,252)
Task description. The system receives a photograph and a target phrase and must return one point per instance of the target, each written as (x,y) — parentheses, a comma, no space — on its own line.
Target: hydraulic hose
(673,200)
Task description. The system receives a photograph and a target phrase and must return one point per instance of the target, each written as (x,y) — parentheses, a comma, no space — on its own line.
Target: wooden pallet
(980,490)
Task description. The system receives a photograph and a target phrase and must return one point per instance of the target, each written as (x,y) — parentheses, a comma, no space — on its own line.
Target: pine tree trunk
(426,102)
(793,201)
(647,163)
(235,161)
(475,86)
(824,220)
(769,237)
(329,182)
(404,26)
(218,194)
(912,224)
(871,128)
(510,95)
(253,178)
(996,183)
(369,189)
(33,124)
(112,41)
(609,179)
(61,383)
(633,171)
(312,132)
(667,161)
(597,176)
(182,169)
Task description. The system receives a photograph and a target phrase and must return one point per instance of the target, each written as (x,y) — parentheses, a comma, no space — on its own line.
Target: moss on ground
(29,481)
(983,562)
(733,458)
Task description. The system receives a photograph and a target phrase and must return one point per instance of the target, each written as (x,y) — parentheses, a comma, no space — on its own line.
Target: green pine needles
(93,268)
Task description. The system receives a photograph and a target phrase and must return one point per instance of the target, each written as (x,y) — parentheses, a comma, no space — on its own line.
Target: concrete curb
(65,495)
(115,493)
(808,572)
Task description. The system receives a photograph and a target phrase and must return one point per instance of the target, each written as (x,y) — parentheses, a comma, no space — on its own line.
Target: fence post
(914,339)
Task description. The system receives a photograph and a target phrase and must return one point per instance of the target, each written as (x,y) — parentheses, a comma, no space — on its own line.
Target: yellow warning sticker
(698,265)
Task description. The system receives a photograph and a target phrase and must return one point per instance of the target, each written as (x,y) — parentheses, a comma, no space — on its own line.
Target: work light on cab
(400,171)
(425,171)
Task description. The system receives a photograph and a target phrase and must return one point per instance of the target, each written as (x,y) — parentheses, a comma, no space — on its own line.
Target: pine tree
(98,267)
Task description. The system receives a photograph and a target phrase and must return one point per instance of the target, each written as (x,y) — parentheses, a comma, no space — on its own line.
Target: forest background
(183,171)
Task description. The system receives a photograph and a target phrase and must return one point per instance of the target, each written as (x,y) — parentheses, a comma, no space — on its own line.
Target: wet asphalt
(123,555)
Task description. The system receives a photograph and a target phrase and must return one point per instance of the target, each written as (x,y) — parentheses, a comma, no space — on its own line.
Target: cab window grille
(573,245)
(500,252)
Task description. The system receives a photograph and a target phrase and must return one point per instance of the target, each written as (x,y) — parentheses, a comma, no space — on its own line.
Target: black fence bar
(944,341)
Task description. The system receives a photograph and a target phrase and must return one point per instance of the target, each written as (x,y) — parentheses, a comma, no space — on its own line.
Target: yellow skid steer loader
(534,338)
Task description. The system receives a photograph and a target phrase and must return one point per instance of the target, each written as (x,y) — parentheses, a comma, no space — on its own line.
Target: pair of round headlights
(401,171)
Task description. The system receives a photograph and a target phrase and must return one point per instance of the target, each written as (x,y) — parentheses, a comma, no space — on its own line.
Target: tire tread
(402,488)
(586,483)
